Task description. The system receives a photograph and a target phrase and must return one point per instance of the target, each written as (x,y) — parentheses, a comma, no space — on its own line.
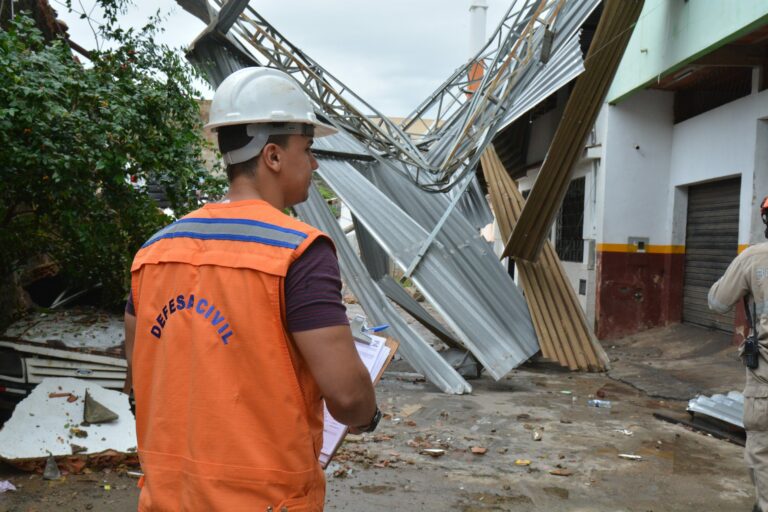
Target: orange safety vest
(228,415)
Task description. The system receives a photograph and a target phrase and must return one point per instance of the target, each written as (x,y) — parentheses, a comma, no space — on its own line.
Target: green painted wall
(672,33)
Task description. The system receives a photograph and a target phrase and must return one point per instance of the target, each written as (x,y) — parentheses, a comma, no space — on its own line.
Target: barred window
(569,226)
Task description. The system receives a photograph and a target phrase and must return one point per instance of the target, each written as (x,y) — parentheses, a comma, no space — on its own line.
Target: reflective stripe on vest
(239,230)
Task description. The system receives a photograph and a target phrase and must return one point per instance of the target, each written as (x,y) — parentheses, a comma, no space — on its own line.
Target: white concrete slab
(90,329)
(41,425)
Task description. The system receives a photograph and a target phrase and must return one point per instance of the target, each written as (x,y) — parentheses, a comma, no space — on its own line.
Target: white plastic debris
(629,456)
(6,485)
(49,422)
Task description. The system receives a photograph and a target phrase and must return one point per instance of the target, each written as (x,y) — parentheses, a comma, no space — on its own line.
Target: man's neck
(245,191)
(234,195)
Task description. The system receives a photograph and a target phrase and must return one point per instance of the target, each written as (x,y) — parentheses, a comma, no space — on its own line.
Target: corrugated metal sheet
(217,56)
(473,204)
(199,8)
(459,274)
(564,66)
(711,243)
(402,298)
(374,258)
(564,334)
(535,81)
(413,347)
(728,408)
(341,144)
(377,263)
(572,18)
(542,80)
(513,65)
(613,33)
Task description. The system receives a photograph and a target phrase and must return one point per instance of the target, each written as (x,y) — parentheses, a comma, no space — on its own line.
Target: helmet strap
(260,133)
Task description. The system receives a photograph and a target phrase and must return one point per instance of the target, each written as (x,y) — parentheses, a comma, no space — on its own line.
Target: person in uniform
(747,276)
(235,328)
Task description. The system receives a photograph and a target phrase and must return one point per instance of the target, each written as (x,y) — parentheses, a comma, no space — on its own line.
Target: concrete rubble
(49,423)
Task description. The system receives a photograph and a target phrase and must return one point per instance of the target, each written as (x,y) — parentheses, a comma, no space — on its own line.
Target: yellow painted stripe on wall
(651,249)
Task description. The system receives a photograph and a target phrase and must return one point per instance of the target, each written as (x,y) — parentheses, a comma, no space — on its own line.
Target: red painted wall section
(637,291)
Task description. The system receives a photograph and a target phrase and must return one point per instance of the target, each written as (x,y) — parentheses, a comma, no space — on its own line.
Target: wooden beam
(605,52)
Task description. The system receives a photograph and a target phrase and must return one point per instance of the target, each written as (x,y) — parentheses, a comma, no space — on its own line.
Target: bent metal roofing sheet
(413,347)
(459,274)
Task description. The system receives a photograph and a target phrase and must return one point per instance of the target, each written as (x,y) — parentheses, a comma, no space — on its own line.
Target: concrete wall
(210,156)
(638,166)
(671,33)
(543,130)
(633,288)
(648,164)
(638,146)
(727,141)
(760,182)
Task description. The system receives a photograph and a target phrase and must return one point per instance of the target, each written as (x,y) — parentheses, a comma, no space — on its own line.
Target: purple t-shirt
(312,290)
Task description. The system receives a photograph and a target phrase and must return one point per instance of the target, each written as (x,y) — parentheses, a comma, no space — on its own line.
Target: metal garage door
(711,243)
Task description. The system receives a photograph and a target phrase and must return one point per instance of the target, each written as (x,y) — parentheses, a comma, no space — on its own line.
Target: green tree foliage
(72,136)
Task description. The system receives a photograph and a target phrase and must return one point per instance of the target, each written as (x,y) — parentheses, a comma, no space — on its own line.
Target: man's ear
(271,157)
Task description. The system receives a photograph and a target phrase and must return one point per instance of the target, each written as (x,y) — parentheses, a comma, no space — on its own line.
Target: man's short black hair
(235,137)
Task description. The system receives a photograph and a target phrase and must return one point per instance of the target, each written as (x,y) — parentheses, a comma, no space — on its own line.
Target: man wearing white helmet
(235,330)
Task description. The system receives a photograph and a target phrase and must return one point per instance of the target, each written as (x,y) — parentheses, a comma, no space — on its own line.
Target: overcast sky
(393,53)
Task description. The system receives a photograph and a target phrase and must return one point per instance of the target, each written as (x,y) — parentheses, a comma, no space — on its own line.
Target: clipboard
(333,432)
(393,346)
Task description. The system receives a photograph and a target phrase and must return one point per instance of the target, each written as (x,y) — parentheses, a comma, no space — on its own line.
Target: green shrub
(72,136)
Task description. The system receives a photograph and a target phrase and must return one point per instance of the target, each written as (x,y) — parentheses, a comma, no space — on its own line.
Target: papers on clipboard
(376,356)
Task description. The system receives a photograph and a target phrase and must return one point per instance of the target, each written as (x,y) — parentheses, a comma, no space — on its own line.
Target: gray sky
(393,54)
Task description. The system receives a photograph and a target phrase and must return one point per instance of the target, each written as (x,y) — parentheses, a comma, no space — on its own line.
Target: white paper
(373,356)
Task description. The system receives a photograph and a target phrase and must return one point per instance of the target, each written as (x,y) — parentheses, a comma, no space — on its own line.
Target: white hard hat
(260,97)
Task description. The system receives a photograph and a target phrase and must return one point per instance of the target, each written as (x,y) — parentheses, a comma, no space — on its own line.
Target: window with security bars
(569,227)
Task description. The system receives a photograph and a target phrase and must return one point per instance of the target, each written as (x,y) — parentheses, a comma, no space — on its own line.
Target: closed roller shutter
(711,243)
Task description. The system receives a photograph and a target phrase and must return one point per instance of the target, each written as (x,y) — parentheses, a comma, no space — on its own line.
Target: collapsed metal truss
(253,39)
(467,113)
(432,236)
(432,117)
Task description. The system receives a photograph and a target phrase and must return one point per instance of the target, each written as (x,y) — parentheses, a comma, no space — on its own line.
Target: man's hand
(343,379)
